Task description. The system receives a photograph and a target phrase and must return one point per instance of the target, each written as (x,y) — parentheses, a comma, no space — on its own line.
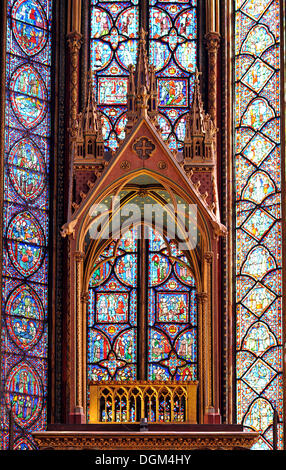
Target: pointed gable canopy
(143,151)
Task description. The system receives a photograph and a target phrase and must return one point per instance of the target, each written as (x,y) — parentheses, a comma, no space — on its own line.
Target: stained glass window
(172,314)
(114,35)
(173,51)
(112,322)
(172,35)
(115,306)
(25,220)
(258,218)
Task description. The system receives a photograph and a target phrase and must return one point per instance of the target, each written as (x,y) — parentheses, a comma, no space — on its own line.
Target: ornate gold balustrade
(129,402)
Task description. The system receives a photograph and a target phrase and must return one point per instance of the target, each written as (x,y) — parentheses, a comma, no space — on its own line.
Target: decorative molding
(125,165)
(209,256)
(84,297)
(162,165)
(202,297)
(79,256)
(79,440)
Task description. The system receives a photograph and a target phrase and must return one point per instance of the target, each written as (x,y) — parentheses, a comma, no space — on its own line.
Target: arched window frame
(142,364)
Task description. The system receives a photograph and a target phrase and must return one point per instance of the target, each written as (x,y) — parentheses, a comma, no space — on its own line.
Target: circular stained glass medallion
(126,269)
(28,96)
(100,23)
(26,243)
(159,54)
(165,127)
(126,53)
(27,169)
(128,22)
(24,393)
(100,274)
(186,24)
(184,274)
(186,55)
(106,126)
(101,54)
(29,26)
(24,317)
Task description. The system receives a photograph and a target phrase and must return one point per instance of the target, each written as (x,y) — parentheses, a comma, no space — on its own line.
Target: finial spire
(142,65)
(142,87)
(200,132)
(89,139)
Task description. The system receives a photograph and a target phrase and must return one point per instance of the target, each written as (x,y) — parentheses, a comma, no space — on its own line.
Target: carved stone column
(202,298)
(212,44)
(212,415)
(79,415)
(84,302)
(74,40)
(208,258)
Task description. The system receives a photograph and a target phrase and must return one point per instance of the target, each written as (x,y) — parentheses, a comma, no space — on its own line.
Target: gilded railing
(129,402)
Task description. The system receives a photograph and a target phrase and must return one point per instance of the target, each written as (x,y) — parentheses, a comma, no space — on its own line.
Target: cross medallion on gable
(144,148)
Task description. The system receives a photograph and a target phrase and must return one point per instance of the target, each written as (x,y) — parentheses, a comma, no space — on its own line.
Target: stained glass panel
(172,33)
(114,35)
(258,219)
(112,318)
(26,206)
(172,314)
(115,303)
(173,51)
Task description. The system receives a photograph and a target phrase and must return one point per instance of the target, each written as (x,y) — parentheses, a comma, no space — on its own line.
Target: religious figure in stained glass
(29,25)
(27,169)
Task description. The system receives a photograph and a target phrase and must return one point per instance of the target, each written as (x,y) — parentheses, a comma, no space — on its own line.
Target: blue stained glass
(172,309)
(26,205)
(114,35)
(112,319)
(173,51)
(30,25)
(171,313)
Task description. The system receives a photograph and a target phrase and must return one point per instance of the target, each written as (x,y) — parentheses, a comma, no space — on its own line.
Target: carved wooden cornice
(79,440)
(165,383)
